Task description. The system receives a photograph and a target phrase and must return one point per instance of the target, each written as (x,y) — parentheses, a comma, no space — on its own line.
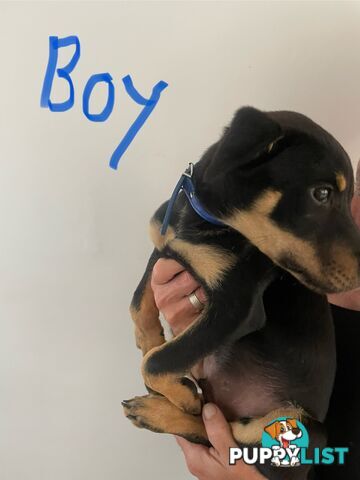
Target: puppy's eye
(282,429)
(321,194)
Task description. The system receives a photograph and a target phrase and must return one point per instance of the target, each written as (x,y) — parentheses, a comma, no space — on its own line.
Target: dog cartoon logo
(285,436)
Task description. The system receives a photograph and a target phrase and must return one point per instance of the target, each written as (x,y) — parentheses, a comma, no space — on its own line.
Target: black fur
(260,317)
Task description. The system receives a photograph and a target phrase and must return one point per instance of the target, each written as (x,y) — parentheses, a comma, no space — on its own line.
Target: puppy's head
(286,184)
(284,430)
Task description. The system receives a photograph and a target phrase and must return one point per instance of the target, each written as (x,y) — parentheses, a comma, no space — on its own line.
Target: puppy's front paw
(157,414)
(141,411)
(180,391)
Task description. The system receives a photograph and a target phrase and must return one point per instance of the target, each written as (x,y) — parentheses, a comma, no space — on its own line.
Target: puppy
(263,223)
(284,431)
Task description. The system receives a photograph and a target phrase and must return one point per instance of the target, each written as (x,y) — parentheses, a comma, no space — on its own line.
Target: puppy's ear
(246,143)
(292,422)
(250,134)
(272,429)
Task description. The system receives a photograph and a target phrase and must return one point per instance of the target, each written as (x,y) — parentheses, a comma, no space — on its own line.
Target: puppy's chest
(255,374)
(247,390)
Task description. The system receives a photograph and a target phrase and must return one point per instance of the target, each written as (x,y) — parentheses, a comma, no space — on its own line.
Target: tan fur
(180,395)
(343,268)
(160,241)
(256,224)
(170,385)
(340,181)
(160,415)
(210,263)
(148,330)
(252,432)
(341,272)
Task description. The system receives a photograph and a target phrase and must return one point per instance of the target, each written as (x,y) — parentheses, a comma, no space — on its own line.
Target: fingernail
(209,411)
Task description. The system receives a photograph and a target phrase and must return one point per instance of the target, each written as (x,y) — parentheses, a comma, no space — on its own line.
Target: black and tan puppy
(281,187)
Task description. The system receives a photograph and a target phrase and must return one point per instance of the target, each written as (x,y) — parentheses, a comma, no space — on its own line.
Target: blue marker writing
(149,105)
(55,43)
(93,80)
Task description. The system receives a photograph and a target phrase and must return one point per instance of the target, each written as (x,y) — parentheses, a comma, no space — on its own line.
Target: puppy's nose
(296,431)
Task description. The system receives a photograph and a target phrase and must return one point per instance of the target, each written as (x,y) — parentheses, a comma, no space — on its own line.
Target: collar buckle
(190,173)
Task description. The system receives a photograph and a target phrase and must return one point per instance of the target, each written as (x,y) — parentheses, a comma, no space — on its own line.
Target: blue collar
(185,184)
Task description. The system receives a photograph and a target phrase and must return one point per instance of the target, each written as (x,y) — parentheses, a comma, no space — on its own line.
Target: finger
(179,315)
(205,462)
(179,311)
(165,270)
(187,446)
(175,290)
(196,456)
(184,284)
(218,430)
(200,293)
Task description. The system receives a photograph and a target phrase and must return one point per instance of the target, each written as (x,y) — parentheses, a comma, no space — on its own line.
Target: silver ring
(195,302)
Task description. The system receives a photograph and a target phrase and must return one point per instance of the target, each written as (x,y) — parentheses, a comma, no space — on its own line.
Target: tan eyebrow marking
(340,181)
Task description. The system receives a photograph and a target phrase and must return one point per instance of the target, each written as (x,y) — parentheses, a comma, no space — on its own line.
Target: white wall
(73,238)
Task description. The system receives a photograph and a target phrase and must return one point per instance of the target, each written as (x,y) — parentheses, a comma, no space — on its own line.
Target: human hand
(351,300)
(172,285)
(213,463)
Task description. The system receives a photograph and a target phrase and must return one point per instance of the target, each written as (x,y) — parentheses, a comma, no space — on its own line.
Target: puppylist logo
(285,437)
(285,443)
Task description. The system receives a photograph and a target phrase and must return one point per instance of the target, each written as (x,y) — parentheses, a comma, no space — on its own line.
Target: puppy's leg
(227,315)
(148,330)
(158,414)
(249,431)
(164,367)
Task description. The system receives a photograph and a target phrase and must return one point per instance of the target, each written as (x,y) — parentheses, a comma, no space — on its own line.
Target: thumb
(218,430)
